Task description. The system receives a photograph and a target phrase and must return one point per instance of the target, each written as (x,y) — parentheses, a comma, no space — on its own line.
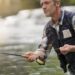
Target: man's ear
(58,3)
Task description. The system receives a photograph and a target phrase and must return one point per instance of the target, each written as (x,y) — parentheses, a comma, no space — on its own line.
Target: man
(59,33)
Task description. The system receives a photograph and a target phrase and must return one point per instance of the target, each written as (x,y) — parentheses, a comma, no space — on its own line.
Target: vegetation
(64,2)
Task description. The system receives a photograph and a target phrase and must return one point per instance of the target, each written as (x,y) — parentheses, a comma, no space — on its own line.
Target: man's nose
(44,6)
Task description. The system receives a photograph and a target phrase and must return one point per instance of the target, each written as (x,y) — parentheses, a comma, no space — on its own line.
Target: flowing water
(21,33)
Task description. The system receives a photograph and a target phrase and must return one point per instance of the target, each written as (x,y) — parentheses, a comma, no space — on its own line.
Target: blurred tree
(29,4)
(64,2)
(8,7)
(68,2)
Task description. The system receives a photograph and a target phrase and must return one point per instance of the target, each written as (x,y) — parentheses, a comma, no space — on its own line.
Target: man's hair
(57,0)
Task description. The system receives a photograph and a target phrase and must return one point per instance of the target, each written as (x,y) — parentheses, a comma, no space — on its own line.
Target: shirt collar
(60,19)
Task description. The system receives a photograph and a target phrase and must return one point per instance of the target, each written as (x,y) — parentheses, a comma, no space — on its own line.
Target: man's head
(50,6)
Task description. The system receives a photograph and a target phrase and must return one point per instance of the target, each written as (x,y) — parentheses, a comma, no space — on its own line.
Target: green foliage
(68,2)
(30,4)
(64,2)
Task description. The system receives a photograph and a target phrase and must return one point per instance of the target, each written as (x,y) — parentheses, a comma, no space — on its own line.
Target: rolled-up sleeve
(44,45)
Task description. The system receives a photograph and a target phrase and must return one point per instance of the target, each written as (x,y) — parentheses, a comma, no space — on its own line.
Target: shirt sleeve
(44,45)
(73,22)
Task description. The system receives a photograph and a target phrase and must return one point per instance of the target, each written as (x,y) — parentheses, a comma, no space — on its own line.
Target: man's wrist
(41,49)
(40,52)
(72,48)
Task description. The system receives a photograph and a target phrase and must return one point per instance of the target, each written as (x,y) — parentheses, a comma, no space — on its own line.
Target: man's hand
(32,56)
(66,49)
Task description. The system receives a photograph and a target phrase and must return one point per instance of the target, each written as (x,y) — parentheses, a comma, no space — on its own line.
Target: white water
(24,27)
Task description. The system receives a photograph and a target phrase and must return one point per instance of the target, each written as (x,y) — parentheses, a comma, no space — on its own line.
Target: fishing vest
(66,35)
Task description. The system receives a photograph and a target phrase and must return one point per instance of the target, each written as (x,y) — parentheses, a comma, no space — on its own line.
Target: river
(20,33)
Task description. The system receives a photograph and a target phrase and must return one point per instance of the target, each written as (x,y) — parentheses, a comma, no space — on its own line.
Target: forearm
(72,48)
(45,45)
(67,48)
(43,52)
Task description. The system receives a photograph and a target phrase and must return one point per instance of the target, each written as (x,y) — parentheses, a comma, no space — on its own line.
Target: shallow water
(12,65)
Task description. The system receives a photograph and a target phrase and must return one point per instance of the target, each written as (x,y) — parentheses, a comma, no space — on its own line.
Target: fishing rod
(38,60)
(13,54)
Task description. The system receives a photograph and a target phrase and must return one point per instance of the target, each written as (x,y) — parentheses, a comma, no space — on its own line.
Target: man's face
(48,7)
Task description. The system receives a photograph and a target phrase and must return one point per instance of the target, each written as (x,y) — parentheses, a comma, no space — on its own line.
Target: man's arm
(44,46)
(42,50)
(67,48)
